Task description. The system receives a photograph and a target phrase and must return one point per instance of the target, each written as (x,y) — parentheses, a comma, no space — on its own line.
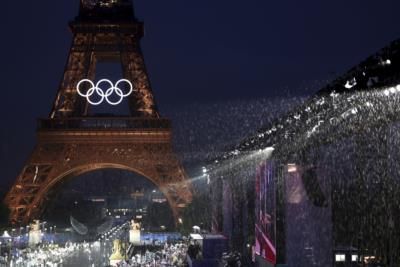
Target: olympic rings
(100,92)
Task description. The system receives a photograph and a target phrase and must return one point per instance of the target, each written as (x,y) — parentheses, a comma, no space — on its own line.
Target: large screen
(265,233)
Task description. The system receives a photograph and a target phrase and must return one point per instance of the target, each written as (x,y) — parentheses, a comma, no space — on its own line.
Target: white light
(351,84)
(392,90)
(386,92)
(268,149)
(36,174)
(5,235)
(340,257)
(354,257)
(100,92)
(292,168)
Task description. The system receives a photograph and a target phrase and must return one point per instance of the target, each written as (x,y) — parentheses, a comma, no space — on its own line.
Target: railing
(106,123)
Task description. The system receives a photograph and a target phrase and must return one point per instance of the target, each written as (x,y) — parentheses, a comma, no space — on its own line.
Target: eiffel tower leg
(81,64)
(20,198)
(142,102)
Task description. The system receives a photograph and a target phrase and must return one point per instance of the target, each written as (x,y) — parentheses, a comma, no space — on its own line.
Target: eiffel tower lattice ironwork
(70,142)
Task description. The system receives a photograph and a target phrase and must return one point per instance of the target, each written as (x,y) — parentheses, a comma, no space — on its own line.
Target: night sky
(196,52)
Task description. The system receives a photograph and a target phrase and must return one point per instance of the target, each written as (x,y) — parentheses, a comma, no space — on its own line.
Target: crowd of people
(168,255)
(45,255)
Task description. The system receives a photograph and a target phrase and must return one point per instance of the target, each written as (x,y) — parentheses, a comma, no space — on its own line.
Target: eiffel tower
(71,142)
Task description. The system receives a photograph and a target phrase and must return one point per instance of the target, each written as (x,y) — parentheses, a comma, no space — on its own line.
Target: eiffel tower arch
(71,142)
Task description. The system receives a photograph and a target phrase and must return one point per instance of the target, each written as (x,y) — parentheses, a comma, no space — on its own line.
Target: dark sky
(195,51)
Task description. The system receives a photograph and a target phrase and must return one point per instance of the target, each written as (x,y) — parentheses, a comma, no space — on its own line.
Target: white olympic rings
(104,95)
